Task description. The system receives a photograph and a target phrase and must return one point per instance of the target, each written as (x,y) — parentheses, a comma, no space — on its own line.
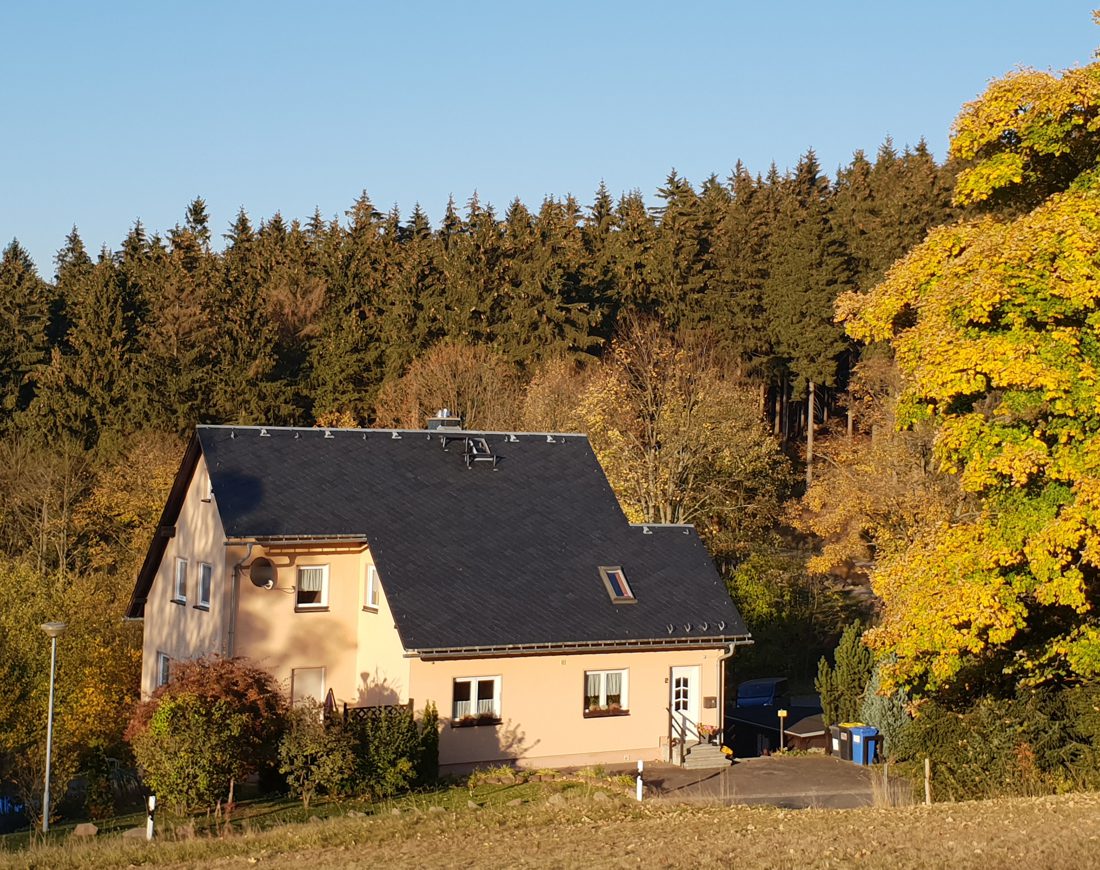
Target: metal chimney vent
(444,419)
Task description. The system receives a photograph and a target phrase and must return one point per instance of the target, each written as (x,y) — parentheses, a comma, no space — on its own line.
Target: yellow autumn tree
(995,326)
(682,441)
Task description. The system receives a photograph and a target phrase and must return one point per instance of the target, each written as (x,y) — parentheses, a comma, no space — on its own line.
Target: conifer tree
(24,323)
(808,269)
(678,262)
(85,392)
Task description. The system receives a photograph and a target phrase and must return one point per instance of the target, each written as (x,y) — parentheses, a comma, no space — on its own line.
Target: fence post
(928,782)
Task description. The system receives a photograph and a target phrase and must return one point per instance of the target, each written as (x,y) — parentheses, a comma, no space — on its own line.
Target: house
(491,573)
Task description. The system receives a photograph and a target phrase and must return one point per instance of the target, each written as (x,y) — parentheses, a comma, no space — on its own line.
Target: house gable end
(165,530)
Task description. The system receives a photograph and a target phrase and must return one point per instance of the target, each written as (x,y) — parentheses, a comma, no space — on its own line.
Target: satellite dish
(262,573)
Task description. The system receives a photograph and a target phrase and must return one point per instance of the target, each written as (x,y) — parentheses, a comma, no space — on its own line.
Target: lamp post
(53,631)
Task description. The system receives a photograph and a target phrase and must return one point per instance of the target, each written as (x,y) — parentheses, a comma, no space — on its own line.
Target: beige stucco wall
(182,631)
(542,715)
(359,649)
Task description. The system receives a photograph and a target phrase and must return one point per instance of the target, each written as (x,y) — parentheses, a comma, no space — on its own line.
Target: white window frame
(470,715)
(164,666)
(602,709)
(322,603)
(371,597)
(204,594)
(293,679)
(179,581)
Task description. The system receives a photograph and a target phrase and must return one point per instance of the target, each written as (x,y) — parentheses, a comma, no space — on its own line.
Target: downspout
(722,659)
(234,602)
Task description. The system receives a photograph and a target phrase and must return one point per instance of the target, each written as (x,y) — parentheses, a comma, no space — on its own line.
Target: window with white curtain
(307,683)
(605,692)
(312,591)
(206,574)
(179,588)
(370,589)
(476,700)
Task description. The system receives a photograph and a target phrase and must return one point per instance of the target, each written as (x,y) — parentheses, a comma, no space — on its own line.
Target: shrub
(394,751)
(242,697)
(887,713)
(248,690)
(316,755)
(1041,741)
(191,750)
(388,749)
(427,767)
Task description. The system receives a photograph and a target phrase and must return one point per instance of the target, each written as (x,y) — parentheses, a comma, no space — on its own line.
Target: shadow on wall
(470,746)
(377,691)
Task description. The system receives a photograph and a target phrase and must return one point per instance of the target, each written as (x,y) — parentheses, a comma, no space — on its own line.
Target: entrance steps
(705,756)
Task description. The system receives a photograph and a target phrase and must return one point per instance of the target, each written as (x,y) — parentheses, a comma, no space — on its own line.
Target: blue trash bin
(863,743)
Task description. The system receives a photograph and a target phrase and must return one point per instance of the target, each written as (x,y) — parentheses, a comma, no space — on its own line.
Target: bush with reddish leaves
(247,690)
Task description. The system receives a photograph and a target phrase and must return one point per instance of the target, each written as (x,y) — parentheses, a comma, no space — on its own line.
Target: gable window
(163,667)
(370,589)
(614,578)
(476,701)
(312,592)
(206,574)
(179,585)
(605,693)
(307,683)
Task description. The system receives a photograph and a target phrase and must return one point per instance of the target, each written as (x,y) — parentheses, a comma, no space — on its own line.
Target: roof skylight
(614,578)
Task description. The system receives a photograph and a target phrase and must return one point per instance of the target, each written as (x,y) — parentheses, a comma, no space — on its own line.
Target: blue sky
(118,110)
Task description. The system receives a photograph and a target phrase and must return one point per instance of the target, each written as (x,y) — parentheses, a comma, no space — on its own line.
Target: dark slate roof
(475,557)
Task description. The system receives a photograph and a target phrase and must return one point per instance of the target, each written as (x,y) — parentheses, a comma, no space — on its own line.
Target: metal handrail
(681,728)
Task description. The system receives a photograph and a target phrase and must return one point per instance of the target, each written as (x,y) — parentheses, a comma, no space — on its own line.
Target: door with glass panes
(684,686)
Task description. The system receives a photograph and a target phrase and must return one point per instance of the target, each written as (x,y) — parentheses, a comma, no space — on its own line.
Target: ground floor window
(605,693)
(307,683)
(163,666)
(476,701)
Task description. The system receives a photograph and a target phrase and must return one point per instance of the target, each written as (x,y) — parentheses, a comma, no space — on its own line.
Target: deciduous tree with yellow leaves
(995,326)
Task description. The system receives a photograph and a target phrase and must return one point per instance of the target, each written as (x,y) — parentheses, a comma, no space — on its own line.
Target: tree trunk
(810,436)
(777,423)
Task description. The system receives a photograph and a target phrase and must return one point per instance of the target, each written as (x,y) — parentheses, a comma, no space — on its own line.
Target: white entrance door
(685,700)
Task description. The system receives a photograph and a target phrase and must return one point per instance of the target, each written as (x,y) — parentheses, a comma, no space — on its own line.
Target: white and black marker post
(151,807)
(638,784)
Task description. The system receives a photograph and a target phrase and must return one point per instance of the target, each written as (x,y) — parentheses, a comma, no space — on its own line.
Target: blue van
(764,692)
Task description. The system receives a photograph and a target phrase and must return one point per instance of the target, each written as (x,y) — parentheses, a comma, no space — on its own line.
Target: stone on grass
(395,812)
(315,818)
(557,800)
(85,829)
(473,805)
(436,810)
(355,814)
(134,833)
(600,796)
(515,802)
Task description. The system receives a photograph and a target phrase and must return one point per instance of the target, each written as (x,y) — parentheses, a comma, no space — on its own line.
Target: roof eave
(551,648)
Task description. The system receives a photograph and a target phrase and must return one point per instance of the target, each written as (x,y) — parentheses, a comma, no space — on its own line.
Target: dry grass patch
(1047,832)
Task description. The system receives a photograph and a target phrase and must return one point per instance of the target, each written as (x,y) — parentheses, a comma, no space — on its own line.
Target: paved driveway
(793,782)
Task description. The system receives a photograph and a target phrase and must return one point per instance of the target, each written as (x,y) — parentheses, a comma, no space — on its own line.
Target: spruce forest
(873,392)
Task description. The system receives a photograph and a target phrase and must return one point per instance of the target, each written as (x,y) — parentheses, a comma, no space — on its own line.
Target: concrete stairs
(705,756)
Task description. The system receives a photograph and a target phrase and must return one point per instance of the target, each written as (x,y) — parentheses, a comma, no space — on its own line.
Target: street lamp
(53,631)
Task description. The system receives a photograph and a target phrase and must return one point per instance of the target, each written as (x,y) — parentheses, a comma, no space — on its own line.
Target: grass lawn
(583,828)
